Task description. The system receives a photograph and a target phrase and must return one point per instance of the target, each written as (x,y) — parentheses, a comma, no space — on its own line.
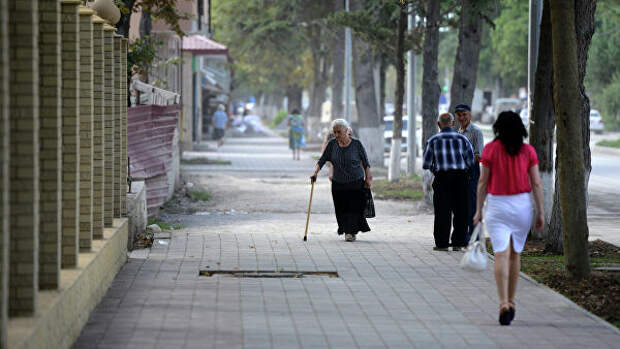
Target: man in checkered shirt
(449,155)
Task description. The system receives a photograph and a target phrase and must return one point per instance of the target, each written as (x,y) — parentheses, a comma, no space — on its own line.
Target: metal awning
(201,45)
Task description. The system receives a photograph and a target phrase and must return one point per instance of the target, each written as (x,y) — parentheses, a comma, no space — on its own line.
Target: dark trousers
(473,175)
(349,204)
(450,198)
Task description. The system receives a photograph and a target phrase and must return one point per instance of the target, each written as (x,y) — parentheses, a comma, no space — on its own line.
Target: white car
(501,104)
(387,134)
(596,121)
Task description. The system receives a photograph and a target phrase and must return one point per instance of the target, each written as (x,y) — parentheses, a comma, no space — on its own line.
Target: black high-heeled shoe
(504,315)
(511,309)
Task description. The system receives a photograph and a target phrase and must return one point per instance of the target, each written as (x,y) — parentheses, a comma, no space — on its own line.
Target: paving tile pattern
(393,291)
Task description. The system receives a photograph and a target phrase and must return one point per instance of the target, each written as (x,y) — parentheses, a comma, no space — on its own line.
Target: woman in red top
(509,172)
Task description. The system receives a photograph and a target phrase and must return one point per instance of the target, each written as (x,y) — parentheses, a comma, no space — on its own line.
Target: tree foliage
(267,41)
(141,53)
(509,45)
(603,73)
(165,10)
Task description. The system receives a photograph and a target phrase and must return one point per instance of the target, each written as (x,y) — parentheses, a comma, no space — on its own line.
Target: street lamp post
(411,107)
(347,69)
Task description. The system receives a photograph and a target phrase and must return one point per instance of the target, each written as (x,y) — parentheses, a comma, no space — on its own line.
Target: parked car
(501,104)
(596,122)
(525,117)
(387,134)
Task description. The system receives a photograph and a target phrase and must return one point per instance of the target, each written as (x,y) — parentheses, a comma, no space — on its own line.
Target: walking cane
(308,218)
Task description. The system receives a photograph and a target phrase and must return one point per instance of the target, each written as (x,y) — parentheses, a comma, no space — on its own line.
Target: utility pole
(347,69)
(532,52)
(411,107)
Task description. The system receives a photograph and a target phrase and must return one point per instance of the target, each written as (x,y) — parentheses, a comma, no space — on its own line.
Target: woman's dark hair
(295,112)
(510,131)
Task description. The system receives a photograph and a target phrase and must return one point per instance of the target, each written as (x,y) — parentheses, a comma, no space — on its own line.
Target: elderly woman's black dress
(348,184)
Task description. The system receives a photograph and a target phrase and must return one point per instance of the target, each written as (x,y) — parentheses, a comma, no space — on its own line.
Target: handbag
(475,257)
(369,208)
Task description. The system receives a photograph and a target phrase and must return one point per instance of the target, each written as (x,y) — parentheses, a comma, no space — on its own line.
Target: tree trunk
(382,88)
(369,130)
(394,168)
(571,170)
(542,119)
(584,29)
(377,79)
(146,23)
(467,55)
(338,69)
(293,95)
(122,27)
(319,83)
(430,79)
(430,83)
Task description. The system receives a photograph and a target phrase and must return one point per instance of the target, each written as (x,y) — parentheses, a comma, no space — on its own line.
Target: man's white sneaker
(349,237)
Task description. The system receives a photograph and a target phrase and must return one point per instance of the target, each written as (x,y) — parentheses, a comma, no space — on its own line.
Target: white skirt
(508,216)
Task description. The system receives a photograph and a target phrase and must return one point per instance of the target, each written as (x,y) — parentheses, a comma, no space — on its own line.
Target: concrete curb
(565,299)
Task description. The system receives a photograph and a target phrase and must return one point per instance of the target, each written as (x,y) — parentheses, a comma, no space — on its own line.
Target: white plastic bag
(475,257)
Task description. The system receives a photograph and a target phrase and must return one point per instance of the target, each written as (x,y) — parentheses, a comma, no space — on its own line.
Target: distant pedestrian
(351,176)
(474,135)
(509,171)
(449,156)
(220,119)
(296,139)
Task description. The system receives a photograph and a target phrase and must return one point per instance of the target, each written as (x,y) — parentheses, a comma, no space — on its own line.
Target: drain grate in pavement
(295,274)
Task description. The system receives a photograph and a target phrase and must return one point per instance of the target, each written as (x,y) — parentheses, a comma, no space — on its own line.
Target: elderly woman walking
(351,175)
(509,172)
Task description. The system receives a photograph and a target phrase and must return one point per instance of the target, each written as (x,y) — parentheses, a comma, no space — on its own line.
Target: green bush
(278,119)
(607,143)
(610,104)
(198,195)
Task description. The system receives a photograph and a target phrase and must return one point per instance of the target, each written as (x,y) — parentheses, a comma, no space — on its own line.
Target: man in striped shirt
(449,155)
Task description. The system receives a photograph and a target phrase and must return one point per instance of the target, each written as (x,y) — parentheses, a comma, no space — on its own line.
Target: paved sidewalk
(392,290)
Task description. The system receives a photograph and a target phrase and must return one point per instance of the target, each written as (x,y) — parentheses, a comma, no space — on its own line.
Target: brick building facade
(63,173)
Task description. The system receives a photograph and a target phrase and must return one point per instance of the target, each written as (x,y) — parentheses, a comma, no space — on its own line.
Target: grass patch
(599,295)
(205,161)
(278,119)
(198,195)
(407,188)
(316,157)
(166,225)
(608,143)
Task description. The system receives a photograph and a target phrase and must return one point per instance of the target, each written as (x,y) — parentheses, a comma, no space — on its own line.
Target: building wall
(24,155)
(187,104)
(50,133)
(187,25)
(4,171)
(46,99)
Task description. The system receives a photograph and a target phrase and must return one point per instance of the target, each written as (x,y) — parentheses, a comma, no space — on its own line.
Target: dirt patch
(599,295)
(205,161)
(409,189)
(188,200)
(597,249)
